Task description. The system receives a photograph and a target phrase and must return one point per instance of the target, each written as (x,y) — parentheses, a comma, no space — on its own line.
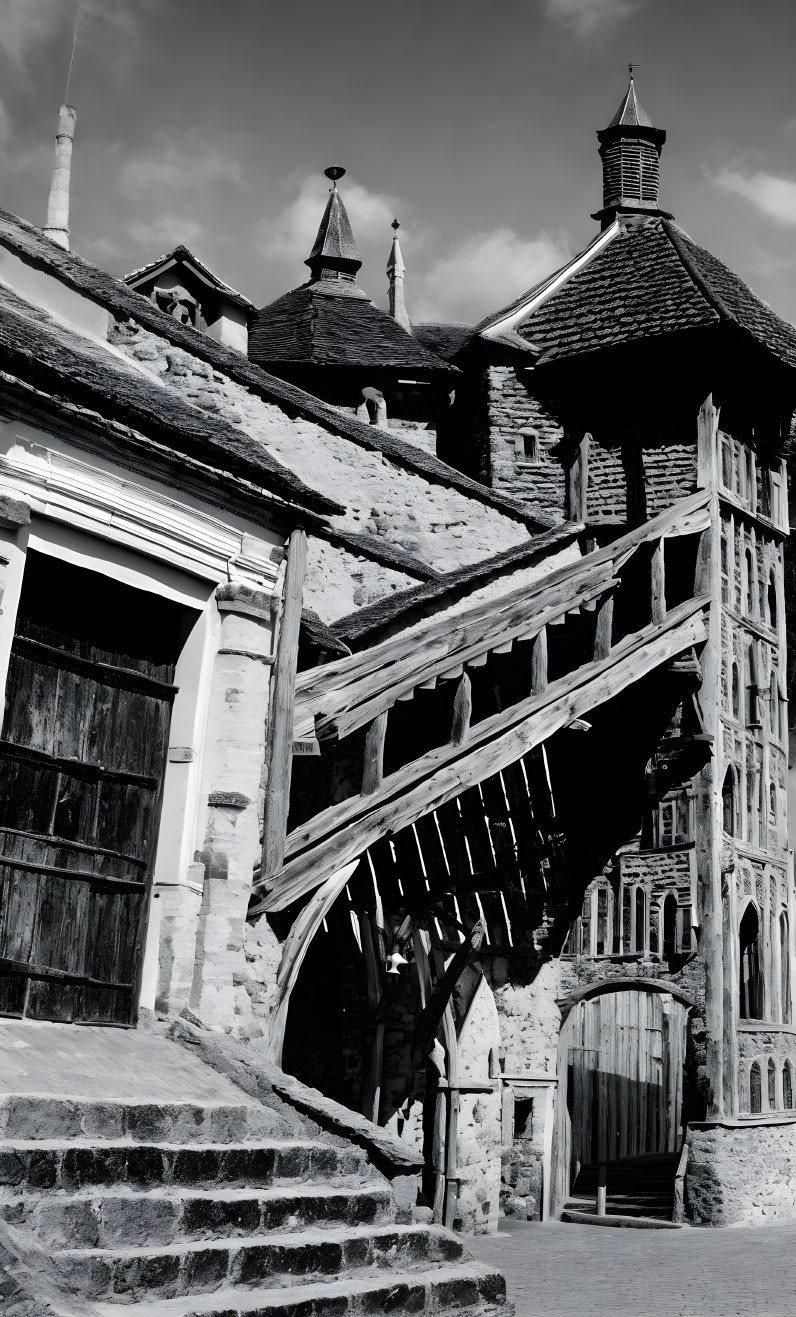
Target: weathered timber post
(373,766)
(279,745)
(719,1006)
(539,663)
(658,584)
(462,710)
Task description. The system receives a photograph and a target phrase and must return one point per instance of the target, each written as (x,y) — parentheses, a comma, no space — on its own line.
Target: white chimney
(57,226)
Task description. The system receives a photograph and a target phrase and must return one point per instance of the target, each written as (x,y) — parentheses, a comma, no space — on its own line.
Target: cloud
(483,273)
(583,17)
(26,24)
(774,195)
(164,233)
(290,234)
(177,166)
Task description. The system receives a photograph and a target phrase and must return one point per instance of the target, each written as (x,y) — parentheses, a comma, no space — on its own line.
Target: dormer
(182,286)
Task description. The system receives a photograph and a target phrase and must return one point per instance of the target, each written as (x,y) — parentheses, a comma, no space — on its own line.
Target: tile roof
(334,240)
(442,339)
(33,246)
(649,279)
(333,323)
(44,355)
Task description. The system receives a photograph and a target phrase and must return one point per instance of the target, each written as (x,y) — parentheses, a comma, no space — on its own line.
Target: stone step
(76,1163)
(470,1289)
(121,1217)
(31,1117)
(175,1270)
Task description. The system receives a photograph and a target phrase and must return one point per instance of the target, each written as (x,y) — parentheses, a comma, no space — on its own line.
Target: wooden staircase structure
(453,826)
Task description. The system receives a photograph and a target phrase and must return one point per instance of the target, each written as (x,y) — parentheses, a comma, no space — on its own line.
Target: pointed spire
(334,255)
(631,113)
(630,149)
(395,274)
(57,226)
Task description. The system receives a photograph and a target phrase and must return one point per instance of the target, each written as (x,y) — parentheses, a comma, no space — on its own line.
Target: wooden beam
(373,767)
(603,636)
(685,517)
(658,583)
(295,949)
(346,830)
(430,1017)
(539,663)
(349,705)
(279,740)
(462,711)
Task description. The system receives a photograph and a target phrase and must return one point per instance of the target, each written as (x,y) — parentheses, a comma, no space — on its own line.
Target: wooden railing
(359,691)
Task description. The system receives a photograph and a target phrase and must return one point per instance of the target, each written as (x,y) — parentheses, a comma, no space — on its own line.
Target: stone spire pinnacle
(57,226)
(630,149)
(334,255)
(395,274)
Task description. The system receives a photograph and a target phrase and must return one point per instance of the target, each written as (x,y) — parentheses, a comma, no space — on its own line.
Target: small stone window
(529,440)
(523,1117)
(784,967)
(787,1086)
(729,801)
(772,1084)
(772,599)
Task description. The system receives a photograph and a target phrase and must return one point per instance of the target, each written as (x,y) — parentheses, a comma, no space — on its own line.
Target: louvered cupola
(630,149)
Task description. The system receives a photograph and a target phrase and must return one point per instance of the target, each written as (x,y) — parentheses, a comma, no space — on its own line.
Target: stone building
(457,789)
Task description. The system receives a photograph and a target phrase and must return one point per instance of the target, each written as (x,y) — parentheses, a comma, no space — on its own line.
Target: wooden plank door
(82,757)
(620,1091)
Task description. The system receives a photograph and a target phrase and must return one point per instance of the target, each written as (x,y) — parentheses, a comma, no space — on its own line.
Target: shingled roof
(333,323)
(639,279)
(102,389)
(75,272)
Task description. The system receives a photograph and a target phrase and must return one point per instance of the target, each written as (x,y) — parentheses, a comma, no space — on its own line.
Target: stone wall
(539,482)
(437,523)
(741,1174)
(339,582)
(530,1020)
(480,1134)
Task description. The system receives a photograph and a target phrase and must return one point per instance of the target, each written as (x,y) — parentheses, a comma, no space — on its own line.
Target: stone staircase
(639,1192)
(181,1209)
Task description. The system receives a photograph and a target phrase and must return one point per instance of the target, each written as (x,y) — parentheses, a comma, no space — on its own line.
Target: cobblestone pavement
(591,1271)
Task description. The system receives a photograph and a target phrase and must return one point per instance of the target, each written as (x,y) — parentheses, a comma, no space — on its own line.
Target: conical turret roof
(334,246)
(631,113)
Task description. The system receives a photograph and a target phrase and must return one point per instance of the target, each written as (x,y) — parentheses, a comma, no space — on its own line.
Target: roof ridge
(533,298)
(700,281)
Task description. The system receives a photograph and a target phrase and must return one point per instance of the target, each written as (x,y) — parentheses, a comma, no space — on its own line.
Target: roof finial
(395,274)
(334,172)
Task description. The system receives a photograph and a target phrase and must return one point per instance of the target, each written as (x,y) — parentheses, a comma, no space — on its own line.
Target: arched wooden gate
(620,1087)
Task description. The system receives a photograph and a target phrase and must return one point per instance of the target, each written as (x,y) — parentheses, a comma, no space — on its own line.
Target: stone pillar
(234,759)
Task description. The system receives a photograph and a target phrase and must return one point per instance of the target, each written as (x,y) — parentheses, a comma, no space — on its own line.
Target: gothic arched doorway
(620,1081)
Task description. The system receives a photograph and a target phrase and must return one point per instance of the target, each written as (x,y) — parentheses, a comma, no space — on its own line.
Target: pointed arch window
(772,1084)
(640,940)
(751,985)
(755,1089)
(752,699)
(729,801)
(736,692)
(750,582)
(787,1086)
(773,703)
(784,967)
(772,598)
(670,927)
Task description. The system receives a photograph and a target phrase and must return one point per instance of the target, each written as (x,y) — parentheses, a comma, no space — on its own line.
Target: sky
(473,122)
